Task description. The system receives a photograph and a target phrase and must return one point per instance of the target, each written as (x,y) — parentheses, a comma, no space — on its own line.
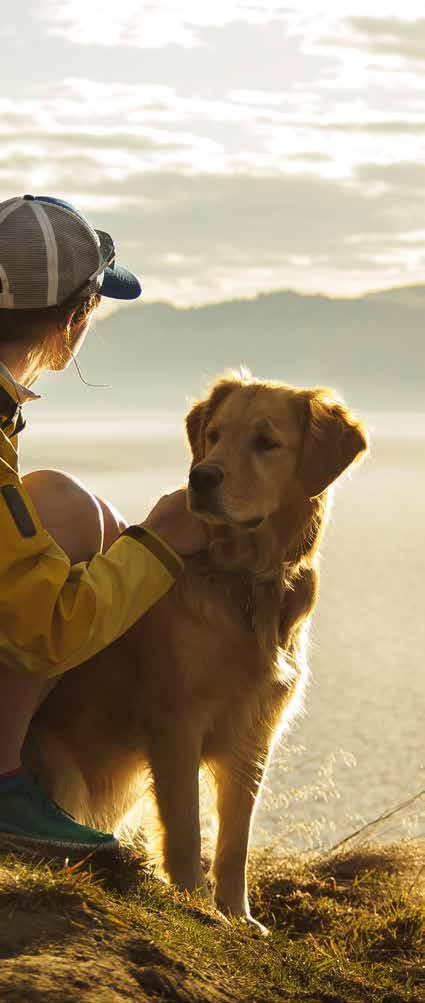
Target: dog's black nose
(205,477)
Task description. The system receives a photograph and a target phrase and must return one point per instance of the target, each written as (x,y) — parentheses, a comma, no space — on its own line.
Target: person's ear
(333,439)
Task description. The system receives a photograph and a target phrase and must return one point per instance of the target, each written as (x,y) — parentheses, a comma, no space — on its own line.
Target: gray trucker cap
(49,251)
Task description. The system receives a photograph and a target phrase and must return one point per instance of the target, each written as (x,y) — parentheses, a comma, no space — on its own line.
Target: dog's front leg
(237,788)
(174,760)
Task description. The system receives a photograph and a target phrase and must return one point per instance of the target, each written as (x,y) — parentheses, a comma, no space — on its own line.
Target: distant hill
(156,356)
(413,296)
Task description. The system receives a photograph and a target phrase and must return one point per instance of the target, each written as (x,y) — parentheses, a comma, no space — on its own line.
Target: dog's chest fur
(211,640)
(206,656)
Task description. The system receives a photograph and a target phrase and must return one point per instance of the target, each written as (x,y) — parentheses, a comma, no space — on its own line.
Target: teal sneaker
(28,816)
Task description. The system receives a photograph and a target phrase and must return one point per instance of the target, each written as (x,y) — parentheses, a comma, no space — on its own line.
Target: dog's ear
(333,439)
(194,422)
(200,414)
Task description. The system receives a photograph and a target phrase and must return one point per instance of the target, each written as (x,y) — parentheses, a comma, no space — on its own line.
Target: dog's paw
(255,926)
(241,916)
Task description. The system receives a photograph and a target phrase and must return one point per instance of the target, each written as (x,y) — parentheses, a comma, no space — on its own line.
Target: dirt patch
(103,969)
(79,953)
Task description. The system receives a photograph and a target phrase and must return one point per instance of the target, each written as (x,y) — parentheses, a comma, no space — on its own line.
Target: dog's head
(258,445)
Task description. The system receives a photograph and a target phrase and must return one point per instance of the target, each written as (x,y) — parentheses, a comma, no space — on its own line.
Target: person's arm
(54,616)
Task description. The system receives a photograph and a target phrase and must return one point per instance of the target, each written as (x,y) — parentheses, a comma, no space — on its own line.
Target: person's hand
(175,525)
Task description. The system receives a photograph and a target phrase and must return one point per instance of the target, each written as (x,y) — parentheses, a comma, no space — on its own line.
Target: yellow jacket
(54,616)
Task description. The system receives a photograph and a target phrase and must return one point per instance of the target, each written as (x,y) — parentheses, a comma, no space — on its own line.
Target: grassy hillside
(155,356)
(344,929)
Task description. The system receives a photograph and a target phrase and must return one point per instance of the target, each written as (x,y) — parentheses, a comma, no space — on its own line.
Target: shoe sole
(32,842)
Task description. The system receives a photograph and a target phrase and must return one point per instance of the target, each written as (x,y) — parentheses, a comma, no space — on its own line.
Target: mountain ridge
(370,348)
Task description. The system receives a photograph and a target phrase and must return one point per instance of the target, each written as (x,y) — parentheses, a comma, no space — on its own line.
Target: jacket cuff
(172,561)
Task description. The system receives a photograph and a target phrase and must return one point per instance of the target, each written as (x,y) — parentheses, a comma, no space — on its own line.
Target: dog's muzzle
(204,481)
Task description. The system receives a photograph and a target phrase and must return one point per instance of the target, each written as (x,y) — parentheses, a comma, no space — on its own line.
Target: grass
(345,927)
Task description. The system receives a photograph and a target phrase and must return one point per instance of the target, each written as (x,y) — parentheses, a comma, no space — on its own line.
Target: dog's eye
(212,436)
(264,444)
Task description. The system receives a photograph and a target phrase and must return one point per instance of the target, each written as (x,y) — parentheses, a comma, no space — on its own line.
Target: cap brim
(120,284)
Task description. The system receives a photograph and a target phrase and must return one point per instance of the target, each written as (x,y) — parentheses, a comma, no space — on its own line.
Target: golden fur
(213,672)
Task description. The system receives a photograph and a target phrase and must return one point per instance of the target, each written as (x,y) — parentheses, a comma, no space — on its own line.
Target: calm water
(359,748)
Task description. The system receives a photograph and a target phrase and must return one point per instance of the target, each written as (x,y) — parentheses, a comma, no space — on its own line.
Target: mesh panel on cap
(78,253)
(27,243)
(23,257)
(5,207)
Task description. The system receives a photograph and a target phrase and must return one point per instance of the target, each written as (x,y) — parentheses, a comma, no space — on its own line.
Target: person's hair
(49,333)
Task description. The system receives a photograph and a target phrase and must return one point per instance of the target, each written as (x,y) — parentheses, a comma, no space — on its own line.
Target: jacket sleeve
(53,616)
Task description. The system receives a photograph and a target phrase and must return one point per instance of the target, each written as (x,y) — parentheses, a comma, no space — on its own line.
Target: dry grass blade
(379,820)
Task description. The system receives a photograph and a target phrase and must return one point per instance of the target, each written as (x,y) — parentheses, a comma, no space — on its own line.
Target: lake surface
(358,751)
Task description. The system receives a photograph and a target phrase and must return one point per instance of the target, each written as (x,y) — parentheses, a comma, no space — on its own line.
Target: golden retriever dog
(216,669)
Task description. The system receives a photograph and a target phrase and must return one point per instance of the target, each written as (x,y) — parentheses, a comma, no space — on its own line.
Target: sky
(229,147)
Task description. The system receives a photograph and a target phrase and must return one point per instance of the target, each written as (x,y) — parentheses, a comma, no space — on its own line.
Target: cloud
(404,179)
(213,236)
(384,126)
(161,23)
(250,145)
(214,196)
(151,25)
(128,128)
(392,36)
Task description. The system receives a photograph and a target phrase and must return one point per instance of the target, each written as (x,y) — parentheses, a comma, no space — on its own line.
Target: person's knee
(113,522)
(68,511)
